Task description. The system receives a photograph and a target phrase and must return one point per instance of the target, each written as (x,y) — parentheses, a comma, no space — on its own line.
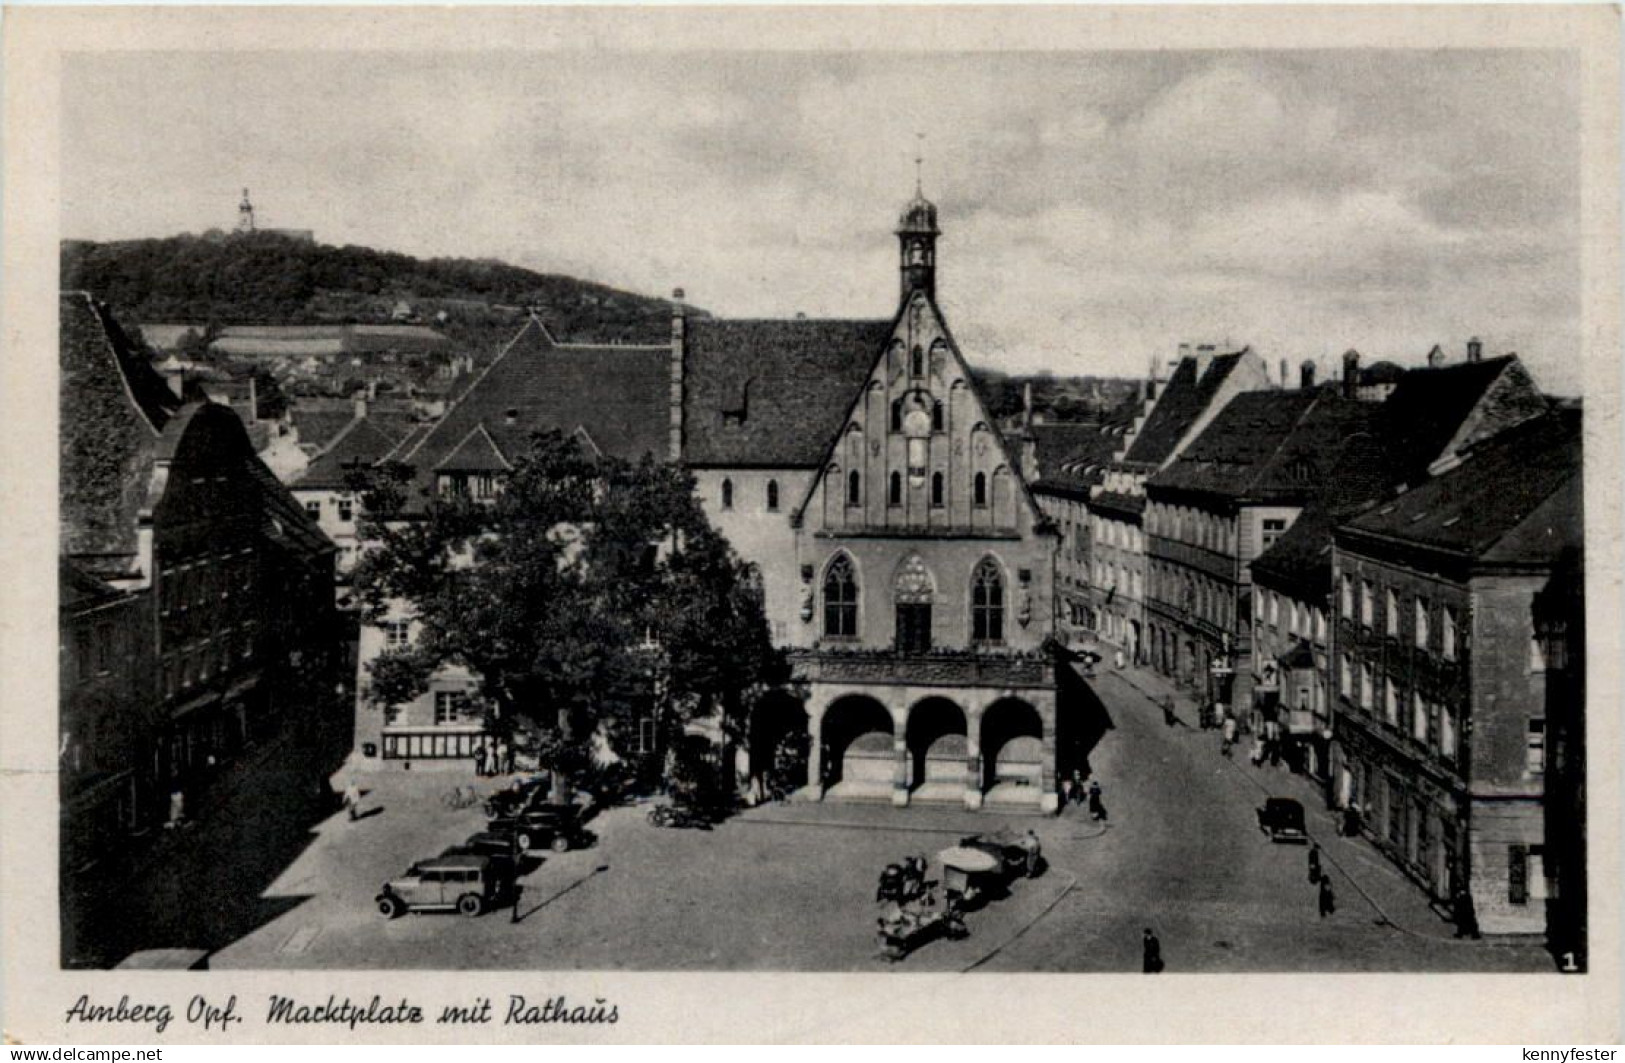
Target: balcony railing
(941,667)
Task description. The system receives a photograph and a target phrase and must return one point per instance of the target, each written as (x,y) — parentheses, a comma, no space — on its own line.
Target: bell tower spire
(245,215)
(917,234)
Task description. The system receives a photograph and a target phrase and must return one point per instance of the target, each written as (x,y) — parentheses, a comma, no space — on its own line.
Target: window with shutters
(1421,632)
(1448,634)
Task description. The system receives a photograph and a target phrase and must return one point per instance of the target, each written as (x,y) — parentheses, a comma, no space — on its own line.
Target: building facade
(902,559)
(213,623)
(1442,696)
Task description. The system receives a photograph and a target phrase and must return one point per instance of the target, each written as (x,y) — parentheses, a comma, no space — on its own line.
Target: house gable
(926,457)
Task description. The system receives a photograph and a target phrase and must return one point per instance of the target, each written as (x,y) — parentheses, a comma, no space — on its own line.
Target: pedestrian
(1168,716)
(1314,863)
(1227,734)
(352,800)
(177,808)
(1031,850)
(1151,953)
(1328,900)
(1257,756)
(1097,808)
(479,760)
(1065,793)
(1077,787)
(1462,909)
(1117,659)
(1351,820)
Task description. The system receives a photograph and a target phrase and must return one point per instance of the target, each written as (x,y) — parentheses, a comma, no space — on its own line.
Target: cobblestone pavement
(791,887)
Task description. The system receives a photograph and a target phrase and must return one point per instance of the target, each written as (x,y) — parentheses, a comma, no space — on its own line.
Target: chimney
(1475,350)
(1204,358)
(1184,352)
(1306,375)
(679,339)
(1284,377)
(1435,357)
(1351,374)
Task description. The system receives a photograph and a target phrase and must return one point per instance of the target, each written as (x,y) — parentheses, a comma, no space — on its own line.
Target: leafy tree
(589,592)
(271,404)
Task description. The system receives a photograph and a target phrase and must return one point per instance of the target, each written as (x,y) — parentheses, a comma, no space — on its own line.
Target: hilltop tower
(245,215)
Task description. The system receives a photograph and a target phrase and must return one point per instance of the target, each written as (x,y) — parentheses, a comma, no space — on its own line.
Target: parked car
(514,799)
(557,827)
(1282,819)
(464,883)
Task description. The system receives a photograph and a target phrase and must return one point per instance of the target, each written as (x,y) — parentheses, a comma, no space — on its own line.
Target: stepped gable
(1182,401)
(1514,498)
(113,408)
(617,393)
(771,392)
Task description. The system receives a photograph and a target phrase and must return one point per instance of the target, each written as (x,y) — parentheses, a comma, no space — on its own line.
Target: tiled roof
(1182,401)
(1428,407)
(478,453)
(771,393)
(618,393)
(113,407)
(318,428)
(364,441)
(1300,560)
(1239,445)
(1074,455)
(1515,498)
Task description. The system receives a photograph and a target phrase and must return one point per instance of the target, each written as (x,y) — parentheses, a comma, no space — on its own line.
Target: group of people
(1074,792)
(493,758)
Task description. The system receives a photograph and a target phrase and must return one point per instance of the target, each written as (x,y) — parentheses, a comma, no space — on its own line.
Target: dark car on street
(462,883)
(556,827)
(1281,818)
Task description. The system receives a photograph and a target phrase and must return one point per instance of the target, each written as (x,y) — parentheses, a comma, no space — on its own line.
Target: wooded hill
(268,279)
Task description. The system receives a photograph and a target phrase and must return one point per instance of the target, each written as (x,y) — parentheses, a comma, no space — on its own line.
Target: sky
(1098,208)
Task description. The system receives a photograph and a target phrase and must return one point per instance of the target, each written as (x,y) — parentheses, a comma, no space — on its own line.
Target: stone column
(899,778)
(1048,800)
(815,751)
(973,760)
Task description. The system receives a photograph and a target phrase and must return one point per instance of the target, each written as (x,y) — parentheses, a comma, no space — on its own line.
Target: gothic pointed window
(917,361)
(727,494)
(894,494)
(936,416)
(854,488)
(936,490)
(979,489)
(772,496)
(840,599)
(987,603)
(897,415)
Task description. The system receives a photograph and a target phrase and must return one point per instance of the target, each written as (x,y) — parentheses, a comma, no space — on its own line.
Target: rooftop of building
(1183,398)
(616,395)
(363,442)
(1514,498)
(1074,456)
(772,393)
(1269,446)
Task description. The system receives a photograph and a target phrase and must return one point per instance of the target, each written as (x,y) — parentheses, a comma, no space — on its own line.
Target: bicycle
(460,797)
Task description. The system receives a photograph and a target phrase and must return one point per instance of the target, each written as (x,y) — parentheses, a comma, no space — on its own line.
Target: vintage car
(556,827)
(464,883)
(1281,818)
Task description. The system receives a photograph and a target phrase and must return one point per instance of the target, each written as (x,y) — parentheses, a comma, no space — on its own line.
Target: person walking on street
(1314,863)
(1328,900)
(1097,808)
(1168,716)
(352,800)
(1227,734)
(1151,953)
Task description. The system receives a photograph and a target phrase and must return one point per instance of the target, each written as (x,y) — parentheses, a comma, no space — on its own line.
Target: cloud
(1099,208)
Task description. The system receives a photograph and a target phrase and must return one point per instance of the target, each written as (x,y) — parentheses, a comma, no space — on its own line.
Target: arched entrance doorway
(779,744)
(937,747)
(1012,752)
(857,744)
